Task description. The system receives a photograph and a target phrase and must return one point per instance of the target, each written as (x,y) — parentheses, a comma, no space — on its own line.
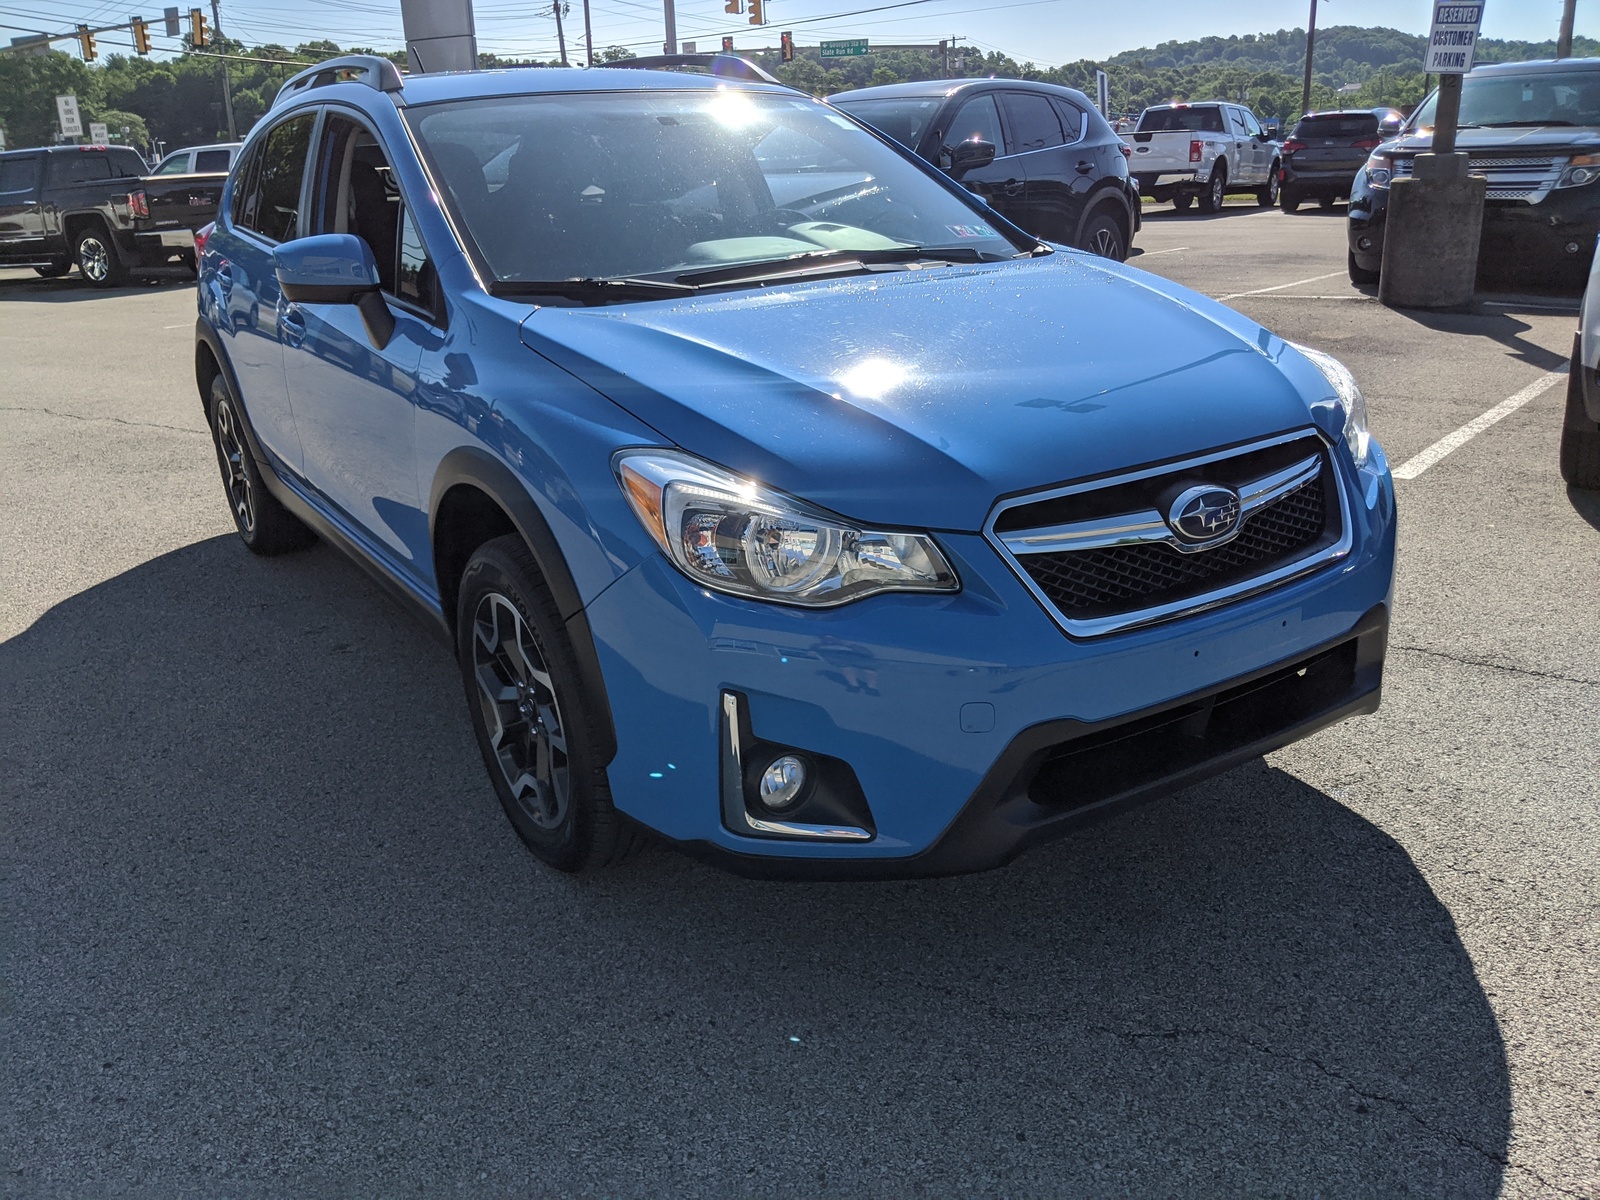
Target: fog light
(1364,243)
(781,782)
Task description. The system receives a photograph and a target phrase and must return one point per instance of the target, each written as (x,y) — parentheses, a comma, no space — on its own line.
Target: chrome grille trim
(1133,528)
(1527,179)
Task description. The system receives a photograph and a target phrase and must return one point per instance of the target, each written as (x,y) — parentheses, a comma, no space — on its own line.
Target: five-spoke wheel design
(520,711)
(235,479)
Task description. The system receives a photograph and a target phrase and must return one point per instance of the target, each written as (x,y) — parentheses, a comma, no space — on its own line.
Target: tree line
(179,101)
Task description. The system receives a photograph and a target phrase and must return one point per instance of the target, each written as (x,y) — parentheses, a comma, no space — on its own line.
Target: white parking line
(181,325)
(1153,253)
(1416,465)
(1281,286)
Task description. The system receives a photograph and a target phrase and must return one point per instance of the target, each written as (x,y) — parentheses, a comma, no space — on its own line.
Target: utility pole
(588,33)
(1564,38)
(561,38)
(1311,41)
(672,26)
(227,80)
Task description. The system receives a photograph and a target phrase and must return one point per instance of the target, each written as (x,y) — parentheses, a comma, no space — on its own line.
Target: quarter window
(1033,121)
(272,207)
(414,277)
(1072,118)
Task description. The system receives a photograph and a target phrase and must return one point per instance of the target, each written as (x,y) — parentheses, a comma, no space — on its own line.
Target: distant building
(1349,89)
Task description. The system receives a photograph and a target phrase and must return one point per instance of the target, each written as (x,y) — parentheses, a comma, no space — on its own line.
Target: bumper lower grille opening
(1124,758)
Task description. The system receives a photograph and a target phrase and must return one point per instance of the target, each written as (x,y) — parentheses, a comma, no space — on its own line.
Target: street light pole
(1311,41)
(1564,38)
(672,25)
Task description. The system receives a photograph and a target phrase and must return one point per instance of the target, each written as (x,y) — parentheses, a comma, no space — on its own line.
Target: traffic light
(787,39)
(141,34)
(758,12)
(86,42)
(199,35)
(727,45)
(733,6)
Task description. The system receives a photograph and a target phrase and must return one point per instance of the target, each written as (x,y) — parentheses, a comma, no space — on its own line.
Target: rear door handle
(1084,166)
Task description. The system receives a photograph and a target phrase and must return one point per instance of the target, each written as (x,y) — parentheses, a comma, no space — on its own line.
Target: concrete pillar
(1431,234)
(440,35)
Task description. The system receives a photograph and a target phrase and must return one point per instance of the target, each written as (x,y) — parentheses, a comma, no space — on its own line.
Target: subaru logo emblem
(1204,513)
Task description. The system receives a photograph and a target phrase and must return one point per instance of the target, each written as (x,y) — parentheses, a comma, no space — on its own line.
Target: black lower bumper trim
(1059,775)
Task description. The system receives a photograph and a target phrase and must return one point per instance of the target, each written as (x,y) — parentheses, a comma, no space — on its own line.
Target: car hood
(917,398)
(1547,138)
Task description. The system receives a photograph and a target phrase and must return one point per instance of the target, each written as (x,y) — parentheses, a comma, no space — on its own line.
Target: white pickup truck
(1184,151)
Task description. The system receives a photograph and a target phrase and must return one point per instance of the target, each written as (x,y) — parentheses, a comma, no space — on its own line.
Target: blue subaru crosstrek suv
(775,495)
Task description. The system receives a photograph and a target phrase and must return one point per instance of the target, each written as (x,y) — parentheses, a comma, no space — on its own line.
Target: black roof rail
(727,66)
(370,69)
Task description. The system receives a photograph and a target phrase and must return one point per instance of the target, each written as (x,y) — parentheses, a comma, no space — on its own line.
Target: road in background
(268,932)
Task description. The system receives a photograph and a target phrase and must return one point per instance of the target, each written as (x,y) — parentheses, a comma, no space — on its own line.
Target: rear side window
(272,204)
(211,161)
(1342,128)
(83,167)
(18,175)
(977,120)
(1033,120)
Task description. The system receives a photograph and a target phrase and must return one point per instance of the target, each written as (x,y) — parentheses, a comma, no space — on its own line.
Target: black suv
(1322,155)
(1532,129)
(1042,156)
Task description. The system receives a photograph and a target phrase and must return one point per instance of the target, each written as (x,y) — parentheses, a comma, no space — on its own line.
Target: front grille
(1095,583)
(1528,180)
(1104,556)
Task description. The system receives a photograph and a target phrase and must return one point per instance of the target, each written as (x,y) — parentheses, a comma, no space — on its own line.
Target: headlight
(1580,169)
(733,535)
(1347,399)
(1380,170)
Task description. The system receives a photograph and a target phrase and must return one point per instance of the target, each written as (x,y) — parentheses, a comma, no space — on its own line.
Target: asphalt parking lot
(268,933)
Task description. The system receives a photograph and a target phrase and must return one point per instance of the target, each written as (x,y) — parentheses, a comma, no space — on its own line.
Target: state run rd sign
(846,49)
(1454,36)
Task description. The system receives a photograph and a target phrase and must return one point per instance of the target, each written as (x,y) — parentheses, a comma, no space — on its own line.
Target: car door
(1260,145)
(1248,168)
(1003,182)
(1057,177)
(265,211)
(21,218)
(355,403)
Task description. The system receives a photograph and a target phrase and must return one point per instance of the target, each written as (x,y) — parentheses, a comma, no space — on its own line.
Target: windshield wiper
(809,262)
(593,291)
(1529,124)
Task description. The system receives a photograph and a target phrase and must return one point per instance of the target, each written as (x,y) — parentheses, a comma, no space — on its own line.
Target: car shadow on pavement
(72,287)
(267,925)
(1496,326)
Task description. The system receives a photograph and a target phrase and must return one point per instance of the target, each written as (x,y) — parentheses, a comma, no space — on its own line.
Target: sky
(1046,32)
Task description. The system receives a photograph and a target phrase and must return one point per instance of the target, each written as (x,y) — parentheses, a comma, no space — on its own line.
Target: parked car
(841,531)
(93,207)
(1181,152)
(1532,129)
(199,160)
(1323,153)
(1580,431)
(1041,156)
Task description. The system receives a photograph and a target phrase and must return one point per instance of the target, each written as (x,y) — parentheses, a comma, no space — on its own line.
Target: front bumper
(1537,245)
(949,711)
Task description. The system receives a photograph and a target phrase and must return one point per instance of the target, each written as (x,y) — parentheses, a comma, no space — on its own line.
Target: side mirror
(969,156)
(335,268)
(1390,126)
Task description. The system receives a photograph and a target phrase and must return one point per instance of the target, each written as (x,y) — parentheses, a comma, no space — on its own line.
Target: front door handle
(292,322)
(1012,187)
(225,278)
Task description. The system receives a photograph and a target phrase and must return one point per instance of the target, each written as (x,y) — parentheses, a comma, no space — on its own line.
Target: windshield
(661,183)
(1195,120)
(1537,98)
(904,119)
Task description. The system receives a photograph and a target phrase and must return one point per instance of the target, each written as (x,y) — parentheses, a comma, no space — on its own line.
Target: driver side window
(977,120)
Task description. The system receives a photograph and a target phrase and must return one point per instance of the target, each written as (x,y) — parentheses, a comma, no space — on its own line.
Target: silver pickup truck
(1184,151)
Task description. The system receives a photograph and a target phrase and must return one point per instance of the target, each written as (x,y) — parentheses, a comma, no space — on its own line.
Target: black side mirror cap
(1390,126)
(969,156)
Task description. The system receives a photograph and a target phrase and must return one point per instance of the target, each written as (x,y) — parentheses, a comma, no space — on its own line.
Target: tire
(53,270)
(1102,236)
(1358,273)
(536,736)
(1326,202)
(1268,196)
(1288,202)
(1580,439)
(96,256)
(1182,201)
(264,525)
(1216,191)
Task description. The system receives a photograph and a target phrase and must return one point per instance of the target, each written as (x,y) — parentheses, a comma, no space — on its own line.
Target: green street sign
(849,49)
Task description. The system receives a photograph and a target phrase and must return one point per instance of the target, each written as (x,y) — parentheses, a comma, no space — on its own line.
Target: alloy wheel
(1217,194)
(235,479)
(93,259)
(1272,189)
(1106,243)
(520,712)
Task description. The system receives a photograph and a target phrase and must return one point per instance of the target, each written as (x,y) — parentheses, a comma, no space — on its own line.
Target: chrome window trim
(1130,528)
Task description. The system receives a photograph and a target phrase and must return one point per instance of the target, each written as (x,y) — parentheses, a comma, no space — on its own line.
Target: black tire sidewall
(220,396)
(506,567)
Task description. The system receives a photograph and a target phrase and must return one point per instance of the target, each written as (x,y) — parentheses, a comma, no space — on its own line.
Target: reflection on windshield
(1537,98)
(654,184)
